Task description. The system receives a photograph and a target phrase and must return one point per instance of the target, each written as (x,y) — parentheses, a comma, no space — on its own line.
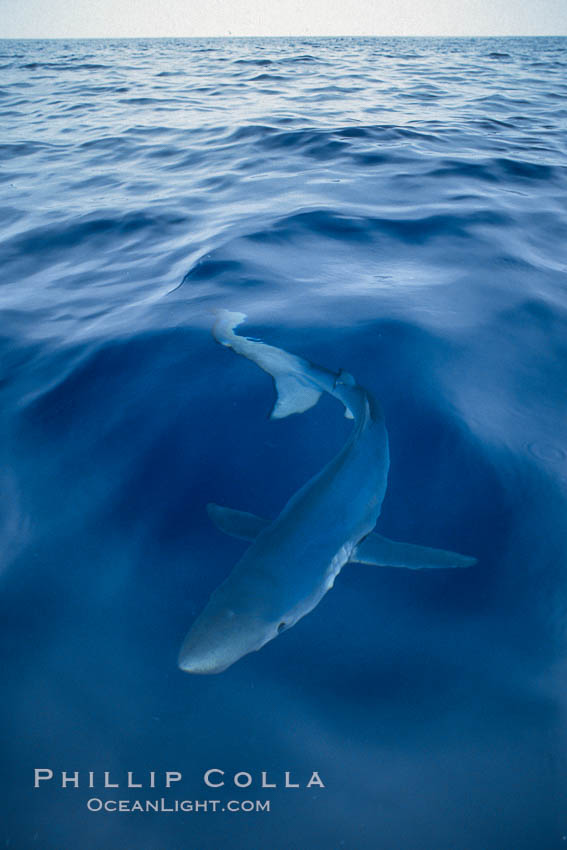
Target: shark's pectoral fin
(294,396)
(378,550)
(237,523)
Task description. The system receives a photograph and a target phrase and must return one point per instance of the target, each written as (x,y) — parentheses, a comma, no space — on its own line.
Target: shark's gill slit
(279,580)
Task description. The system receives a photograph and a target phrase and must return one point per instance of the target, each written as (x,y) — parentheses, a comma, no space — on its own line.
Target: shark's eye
(281,627)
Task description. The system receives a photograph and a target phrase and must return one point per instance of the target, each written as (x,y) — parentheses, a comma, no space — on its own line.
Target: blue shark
(293,561)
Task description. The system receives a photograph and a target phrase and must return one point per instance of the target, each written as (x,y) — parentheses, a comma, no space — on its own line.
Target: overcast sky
(106,18)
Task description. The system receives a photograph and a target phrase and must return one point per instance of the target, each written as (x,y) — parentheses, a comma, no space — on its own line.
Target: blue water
(392,207)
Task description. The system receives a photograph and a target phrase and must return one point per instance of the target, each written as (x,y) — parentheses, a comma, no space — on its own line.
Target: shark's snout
(195,662)
(219,638)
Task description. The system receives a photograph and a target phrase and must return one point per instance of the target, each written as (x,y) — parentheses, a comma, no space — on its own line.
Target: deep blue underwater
(393,207)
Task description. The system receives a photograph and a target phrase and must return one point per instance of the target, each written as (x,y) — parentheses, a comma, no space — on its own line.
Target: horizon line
(288,35)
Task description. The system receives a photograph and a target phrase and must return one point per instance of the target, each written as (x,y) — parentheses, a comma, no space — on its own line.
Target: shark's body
(294,560)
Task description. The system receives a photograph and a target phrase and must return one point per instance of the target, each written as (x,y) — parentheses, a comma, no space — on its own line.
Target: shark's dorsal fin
(237,523)
(378,550)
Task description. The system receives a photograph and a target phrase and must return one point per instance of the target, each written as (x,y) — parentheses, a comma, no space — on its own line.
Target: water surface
(394,207)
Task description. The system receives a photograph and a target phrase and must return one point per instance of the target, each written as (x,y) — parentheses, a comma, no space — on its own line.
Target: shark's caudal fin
(299,384)
(374,549)
(294,396)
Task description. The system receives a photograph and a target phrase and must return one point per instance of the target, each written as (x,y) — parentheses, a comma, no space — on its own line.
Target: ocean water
(394,207)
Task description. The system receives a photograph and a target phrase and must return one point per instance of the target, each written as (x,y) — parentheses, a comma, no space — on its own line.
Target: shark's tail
(299,383)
